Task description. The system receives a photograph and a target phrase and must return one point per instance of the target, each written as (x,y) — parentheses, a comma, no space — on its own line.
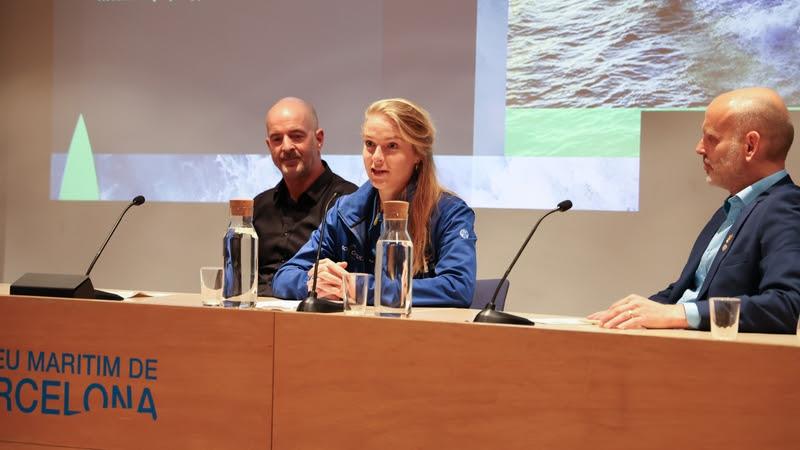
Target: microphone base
(53,285)
(103,295)
(489,315)
(320,305)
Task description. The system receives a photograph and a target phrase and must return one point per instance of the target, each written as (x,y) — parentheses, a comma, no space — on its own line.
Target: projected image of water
(649,53)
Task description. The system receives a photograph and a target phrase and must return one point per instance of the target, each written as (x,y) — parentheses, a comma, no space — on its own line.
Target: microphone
(138,200)
(488,314)
(312,303)
(69,286)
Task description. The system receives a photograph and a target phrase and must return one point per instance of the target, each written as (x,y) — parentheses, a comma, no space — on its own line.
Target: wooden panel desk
(198,378)
(434,382)
(383,383)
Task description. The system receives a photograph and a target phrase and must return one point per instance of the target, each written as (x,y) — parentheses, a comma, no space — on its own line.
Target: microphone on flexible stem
(488,314)
(138,200)
(312,303)
(71,286)
(103,295)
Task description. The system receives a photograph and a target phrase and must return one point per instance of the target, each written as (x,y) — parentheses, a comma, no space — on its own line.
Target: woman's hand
(329,279)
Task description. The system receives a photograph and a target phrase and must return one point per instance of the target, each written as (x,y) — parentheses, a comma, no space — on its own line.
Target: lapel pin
(727,242)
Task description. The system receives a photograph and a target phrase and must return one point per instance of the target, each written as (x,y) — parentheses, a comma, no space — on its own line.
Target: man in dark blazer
(750,248)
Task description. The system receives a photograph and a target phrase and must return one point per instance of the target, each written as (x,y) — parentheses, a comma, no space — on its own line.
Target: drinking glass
(724,318)
(356,288)
(211,286)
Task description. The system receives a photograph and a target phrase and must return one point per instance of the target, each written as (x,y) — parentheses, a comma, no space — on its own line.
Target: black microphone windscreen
(138,200)
(565,205)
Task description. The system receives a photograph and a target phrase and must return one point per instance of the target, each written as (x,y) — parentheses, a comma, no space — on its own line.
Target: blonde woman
(398,141)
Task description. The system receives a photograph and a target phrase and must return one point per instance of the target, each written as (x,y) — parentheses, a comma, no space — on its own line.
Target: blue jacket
(760,264)
(352,233)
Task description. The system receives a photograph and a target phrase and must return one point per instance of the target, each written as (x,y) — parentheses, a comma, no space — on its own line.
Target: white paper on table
(135,294)
(282,305)
(564,321)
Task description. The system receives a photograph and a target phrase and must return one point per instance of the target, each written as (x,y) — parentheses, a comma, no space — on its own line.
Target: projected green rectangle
(573,132)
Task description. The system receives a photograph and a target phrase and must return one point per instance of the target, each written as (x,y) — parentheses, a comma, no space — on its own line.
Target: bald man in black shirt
(285,215)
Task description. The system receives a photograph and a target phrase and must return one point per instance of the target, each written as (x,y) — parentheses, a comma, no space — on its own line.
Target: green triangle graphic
(80,179)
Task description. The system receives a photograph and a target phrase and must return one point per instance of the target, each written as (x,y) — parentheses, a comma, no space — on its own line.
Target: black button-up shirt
(283,225)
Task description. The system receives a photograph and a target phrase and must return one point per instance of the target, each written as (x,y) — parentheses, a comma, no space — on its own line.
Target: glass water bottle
(240,257)
(394,263)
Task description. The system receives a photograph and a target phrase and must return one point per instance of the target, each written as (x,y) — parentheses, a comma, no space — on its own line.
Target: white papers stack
(564,321)
(280,305)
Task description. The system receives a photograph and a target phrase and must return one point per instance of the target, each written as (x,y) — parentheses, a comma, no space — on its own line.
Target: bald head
(762,111)
(295,142)
(295,107)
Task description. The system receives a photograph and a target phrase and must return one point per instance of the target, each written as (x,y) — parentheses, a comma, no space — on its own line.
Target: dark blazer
(760,263)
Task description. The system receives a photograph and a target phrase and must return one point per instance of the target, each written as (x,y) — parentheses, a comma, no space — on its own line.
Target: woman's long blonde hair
(415,127)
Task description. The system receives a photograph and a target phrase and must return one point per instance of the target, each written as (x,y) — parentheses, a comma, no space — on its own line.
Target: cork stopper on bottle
(395,210)
(242,207)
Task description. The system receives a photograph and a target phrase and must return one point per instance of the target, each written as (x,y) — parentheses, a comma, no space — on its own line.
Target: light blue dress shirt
(733,208)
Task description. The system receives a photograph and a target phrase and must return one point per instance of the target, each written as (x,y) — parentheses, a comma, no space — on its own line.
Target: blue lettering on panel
(37,364)
(52,363)
(67,411)
(56,397)
(150,368)
(18,394)
(89,358)
(68,360)
(116,396)
(111,369)
(135,368)
(147,397)
(15,364)
(7,360)
(6,393)
(49,396)
(89,389)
